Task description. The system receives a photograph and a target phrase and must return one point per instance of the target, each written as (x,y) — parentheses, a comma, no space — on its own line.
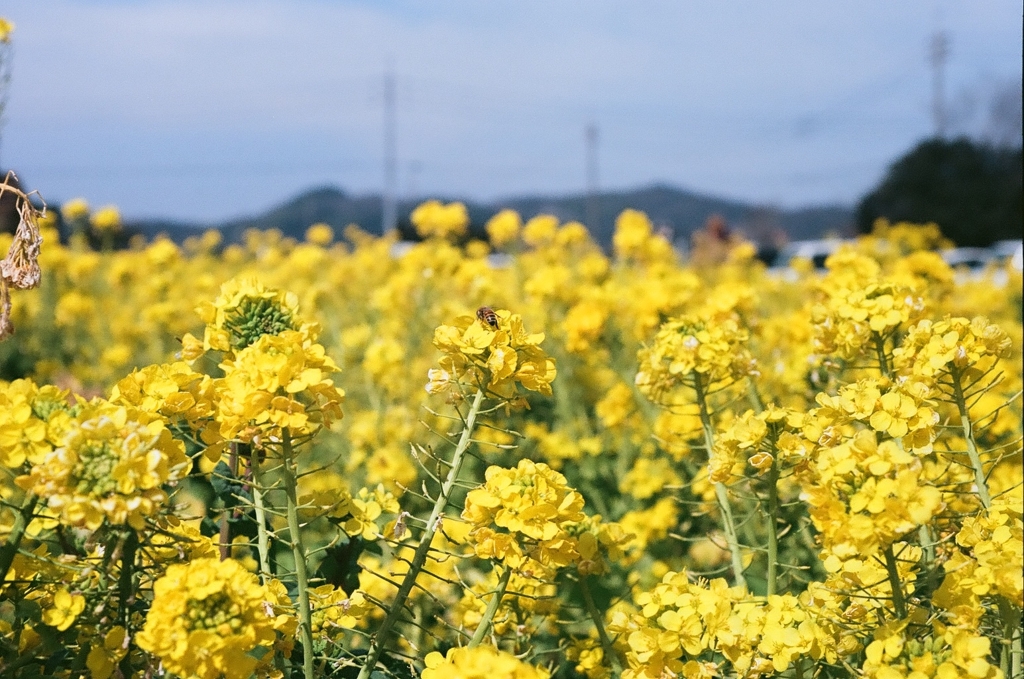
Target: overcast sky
(209,109)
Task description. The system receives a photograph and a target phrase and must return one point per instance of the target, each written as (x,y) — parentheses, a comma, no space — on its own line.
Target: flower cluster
(760,440)
(954,344)
(208,615)
(532,508)
(111,466)
(334,611)
(863,495)
(859,309)
(275,373)
(900,409)
(991,562)
(33,420)
(491,357)
(482,662)
(681,626)
(245,311)
(435,219)
(953,653)
(690,351)
(357,514)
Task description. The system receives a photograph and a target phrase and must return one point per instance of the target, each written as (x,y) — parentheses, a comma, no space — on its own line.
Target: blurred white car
(815,250)
(1011,250)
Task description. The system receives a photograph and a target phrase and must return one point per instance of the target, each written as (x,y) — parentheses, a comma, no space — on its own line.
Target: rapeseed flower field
(336,458)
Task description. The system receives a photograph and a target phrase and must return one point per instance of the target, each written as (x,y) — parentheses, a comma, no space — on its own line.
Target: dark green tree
(971,190)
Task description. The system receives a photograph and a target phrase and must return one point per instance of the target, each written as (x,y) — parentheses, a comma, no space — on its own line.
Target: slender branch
(380,638)
(288,466)
(126,590)
(262,537)
(22,516)
(894,582)
(972,446)
(773,521)
(602,634)
(720,490)
(225,518)
(883,359)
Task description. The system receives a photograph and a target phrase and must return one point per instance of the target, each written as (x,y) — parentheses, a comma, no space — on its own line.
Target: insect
(487,315)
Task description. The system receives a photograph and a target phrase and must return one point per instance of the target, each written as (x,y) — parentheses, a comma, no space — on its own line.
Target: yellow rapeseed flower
(435,219)
(491,358)
(106,219)
(206,618)
(482,662)
(503,228)
(111,466)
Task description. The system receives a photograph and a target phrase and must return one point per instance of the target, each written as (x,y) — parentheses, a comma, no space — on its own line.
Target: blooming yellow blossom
(109,467)
(494,359)
(690,348)
(503,227)
(433,218)
(65,609)
(482,662)
(320,234)
(106,219)
(532,507)
(206,618)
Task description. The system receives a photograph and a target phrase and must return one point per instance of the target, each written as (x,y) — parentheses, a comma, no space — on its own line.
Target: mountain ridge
(675,210)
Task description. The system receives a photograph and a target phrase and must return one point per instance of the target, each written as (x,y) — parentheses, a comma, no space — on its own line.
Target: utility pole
(389,211)
(938,52)
(593,200)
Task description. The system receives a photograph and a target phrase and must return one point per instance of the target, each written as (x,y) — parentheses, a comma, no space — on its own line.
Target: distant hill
(678,211)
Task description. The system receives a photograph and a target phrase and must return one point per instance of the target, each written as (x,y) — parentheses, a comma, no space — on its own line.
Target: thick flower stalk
(488,355)
(956,355)
(691,357)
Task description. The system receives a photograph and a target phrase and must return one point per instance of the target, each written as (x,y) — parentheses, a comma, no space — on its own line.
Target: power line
(593,197)
(938,52)
(389,218)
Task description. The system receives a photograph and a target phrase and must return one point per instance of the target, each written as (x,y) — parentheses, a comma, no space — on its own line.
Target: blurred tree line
(971,189)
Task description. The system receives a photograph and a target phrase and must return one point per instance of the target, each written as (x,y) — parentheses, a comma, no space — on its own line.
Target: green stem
(1016,654)
(492,607)
(1010,657)
(21,520)
(894,583)
(721,492)
(883,360)
(972,446)
(419,558)
(262,536)
(773,522)
(754,396)
(288,474)
(126,591)
(225,518)
(595,615)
